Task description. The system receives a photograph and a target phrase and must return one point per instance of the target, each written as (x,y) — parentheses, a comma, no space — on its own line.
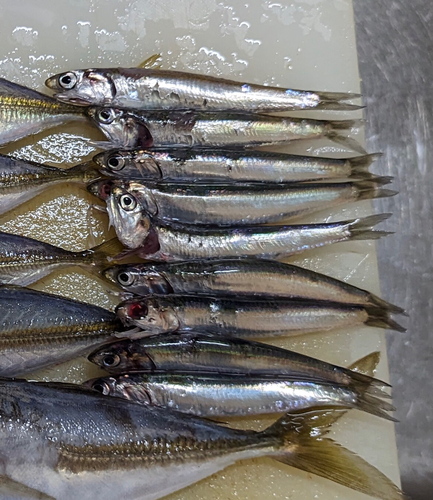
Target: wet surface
(302,44)
(395,48)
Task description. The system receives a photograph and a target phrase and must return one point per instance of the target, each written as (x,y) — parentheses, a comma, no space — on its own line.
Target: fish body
(210,354)
(238,277)
(150,89)
(231,205)
(229,396)
(227,167)
(25,260)
(21,180)
(176,242)
(24,111)
(245,318)
(68,443)
(39,329)
(129,129)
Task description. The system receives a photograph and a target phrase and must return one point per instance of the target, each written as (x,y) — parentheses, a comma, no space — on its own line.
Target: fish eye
(125,278)
(106,116)
(68,80)
(116,162)
(110,360)
(127,202)
(101,387)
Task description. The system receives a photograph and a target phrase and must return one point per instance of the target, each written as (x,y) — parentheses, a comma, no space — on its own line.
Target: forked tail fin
(347,142)
(359,166)
(362,229)
(106,253)
(335,101)
(372,188)
(379,317)
(362,371)
(302,445)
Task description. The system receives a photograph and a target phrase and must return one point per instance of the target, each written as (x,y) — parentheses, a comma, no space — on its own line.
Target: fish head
(123,128)
(129,164)
(129,218)
(143,280)
(121,357)
(122,386)
(83,87)
(153,316)
(104,385)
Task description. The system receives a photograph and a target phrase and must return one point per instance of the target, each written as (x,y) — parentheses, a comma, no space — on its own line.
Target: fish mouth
(100,188)
(68,99)
(51,83)
(110,275)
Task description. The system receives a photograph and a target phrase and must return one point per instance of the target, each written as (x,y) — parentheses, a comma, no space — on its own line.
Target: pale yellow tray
(300,44)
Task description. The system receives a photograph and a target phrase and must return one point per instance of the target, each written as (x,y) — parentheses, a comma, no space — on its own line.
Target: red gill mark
(137,310)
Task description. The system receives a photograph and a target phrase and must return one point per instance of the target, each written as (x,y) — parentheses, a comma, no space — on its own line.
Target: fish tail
(347,142)
(359,165)
(374,300)
(335,101)
(362,229)
(367,365)
(375,406)
(106,252)
(372,188)
(361,372)
(379,317)
(302,445)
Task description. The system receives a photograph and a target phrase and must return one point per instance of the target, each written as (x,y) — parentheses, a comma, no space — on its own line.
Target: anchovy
(231,205)
(39,329)
(25,260)
(238,277)
(247,318)
(179,242)
(230,396)
(70,443)
(227,167)
(21,180)
(24,111)
(149,89)
(210,354)
(134,129)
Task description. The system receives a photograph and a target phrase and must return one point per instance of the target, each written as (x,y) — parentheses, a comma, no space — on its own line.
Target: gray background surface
(395,47)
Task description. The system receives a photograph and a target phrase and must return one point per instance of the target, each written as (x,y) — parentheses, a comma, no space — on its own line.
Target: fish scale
(40,329)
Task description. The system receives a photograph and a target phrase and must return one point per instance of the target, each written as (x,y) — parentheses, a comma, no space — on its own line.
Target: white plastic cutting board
(300,44)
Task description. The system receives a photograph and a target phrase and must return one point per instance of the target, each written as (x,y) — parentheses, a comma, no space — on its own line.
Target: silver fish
(39,329)
(247,318)
(231,205)
(24,111)
(22,180)
(238,277)
(25,260)
(70,443)
(134,129)
(210,354)
(231,396)
(227,167)
(149,89)
(181,242)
